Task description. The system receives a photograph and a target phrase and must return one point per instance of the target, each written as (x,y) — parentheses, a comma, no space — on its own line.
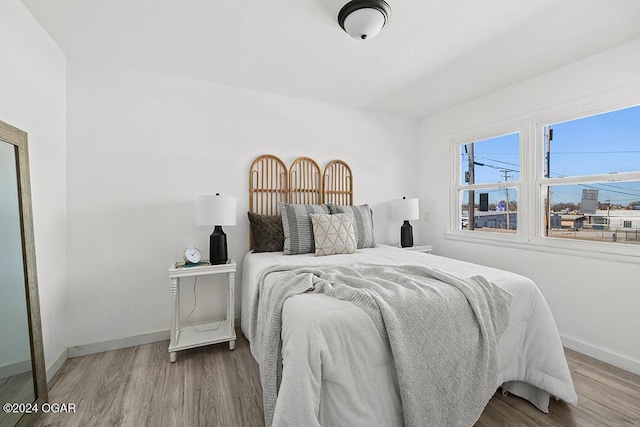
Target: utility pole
(506,191)
(548,136)
(472,197)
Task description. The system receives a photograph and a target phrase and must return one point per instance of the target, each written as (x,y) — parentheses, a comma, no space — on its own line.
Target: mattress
(359,372)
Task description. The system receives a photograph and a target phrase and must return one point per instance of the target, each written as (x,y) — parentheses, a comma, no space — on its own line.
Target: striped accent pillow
(297,227)
(362,223)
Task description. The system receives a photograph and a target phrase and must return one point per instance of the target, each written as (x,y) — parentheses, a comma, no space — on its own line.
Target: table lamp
(406,210)
(217,211)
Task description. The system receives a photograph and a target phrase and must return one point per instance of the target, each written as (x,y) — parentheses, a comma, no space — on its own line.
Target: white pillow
(333,234)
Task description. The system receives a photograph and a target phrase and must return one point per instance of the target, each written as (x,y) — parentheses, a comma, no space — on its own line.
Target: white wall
(32,98)
(142,146)
(594,302)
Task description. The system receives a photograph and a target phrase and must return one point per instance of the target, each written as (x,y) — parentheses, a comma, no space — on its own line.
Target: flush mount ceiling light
(363,19)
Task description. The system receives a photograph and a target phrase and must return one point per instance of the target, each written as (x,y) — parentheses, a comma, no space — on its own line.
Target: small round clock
(192,255)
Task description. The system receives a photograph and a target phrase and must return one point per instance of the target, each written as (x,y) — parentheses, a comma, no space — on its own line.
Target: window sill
(618,252)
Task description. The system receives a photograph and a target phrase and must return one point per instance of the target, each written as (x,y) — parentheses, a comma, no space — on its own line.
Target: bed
(336,364)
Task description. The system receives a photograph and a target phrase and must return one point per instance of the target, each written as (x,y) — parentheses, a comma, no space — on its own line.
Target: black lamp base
(218,246)
(406,235)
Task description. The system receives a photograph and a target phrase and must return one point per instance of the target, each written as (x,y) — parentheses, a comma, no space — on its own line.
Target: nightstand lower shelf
(207,333)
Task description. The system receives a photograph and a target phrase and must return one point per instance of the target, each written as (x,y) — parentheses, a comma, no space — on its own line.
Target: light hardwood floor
(15,389)
(212,386)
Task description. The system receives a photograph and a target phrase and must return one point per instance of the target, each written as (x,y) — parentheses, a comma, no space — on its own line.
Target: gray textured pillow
(333,234)
(266,232)
(362,223)
(297,227)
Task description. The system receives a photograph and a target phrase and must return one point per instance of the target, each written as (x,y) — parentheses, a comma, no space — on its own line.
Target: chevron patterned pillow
(333,234)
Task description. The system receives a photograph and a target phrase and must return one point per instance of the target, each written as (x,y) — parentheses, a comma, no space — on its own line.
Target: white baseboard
(15,369)
(22,367)
(99,347)
(57,364)
(621,361)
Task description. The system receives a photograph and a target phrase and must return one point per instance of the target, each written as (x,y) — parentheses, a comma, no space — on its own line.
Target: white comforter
(337,370)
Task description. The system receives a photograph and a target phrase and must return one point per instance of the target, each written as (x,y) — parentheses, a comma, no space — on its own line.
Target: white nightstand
(426,249)
(186,337)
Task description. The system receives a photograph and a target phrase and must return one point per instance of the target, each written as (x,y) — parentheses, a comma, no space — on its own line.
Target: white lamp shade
(216,210)
(405,209)
(364,23)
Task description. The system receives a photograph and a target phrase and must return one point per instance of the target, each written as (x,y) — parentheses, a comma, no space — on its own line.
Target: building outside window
(580,180)
(591,183)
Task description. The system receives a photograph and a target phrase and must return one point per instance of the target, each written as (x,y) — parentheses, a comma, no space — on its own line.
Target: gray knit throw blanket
(441,330)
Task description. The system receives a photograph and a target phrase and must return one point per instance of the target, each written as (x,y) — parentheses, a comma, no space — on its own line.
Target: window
(591,178)
(567,180)
(489,184)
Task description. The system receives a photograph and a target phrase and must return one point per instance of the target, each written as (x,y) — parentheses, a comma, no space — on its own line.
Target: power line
(564,152)
(621,121)
(610,191)
(597,152)
(605,187)
(499,161)
(597,186)
(562,176)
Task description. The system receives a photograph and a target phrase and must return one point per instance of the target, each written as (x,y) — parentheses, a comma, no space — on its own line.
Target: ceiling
(431,55)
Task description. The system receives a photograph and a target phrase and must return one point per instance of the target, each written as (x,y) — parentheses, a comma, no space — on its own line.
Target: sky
(603,144)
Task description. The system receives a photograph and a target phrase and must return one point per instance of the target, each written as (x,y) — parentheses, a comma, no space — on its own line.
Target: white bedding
(338,371)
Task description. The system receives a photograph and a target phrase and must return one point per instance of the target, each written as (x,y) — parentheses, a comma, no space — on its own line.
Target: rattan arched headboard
(305,182)
(271,182)
(268,184)
(337,183)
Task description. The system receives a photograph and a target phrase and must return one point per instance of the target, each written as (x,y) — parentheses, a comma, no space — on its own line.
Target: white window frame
(456,172)
(532,185)
(541,183)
